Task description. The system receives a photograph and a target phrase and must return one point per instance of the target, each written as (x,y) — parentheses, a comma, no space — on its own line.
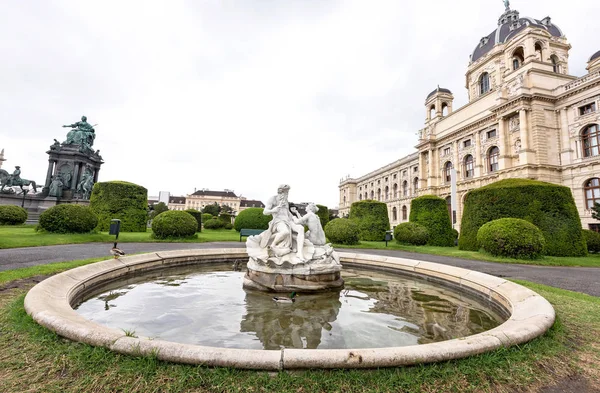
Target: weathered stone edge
(49,304)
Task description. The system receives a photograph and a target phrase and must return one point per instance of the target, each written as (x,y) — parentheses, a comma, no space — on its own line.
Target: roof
(251,203)
(227,194)
(439,89)
(595,56)
(177,199)
(509,25)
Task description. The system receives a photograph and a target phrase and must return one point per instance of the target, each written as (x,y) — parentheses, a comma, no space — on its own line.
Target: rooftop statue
(507,4)
(82,134)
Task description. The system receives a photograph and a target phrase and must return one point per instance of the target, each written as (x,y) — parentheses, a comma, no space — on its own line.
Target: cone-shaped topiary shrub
(67,218)
(214,223)
(431,212)
(12,215)
(174,224)
(197,215)
(411,233)
(252,218)
(512,238)
(119,199)
(342,231)
(371,218)
(592,239)
(548,206)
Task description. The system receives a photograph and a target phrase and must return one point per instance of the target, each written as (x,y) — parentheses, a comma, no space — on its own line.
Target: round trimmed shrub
(342,231)
(68,218)
(512,238)
(12,215)
(252,218)
(214,223)
(371,218)
(206,217)
(592,239)
(323,214)
(174,224)
(228,225)
(197,216)
(122,200)
(225,217)
(431,212)
(548,206)
(456,234)
(411,233)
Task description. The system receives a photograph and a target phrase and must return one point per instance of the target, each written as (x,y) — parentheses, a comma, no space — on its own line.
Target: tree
(213,209)
(596,211)
(160,207)
(226,209)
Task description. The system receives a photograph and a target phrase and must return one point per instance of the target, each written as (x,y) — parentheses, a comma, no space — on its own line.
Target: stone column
(566,151)
(456,162)
(524,153)
(75,176)
(502,143)
(478,159)
(431,169)
(49,173)
(422,176)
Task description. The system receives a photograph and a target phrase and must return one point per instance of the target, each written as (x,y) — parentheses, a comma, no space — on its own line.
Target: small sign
(115,227)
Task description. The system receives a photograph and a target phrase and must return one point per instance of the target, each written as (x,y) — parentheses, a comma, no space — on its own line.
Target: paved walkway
(580,279)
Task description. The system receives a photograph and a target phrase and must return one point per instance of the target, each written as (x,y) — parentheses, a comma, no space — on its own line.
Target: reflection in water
(291,325)
(208,306)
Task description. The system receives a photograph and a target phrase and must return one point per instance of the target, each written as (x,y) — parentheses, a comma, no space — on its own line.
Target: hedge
(225,217)
(214,223)
(342,231)
(411,233)
(548,206)
(252,218)
(67,218)
(121,200)
(372,219)
(197,216)
(12,215)
(174,224)
(512,238)
(323,214)
(431,212)
(206,217)
(592,239)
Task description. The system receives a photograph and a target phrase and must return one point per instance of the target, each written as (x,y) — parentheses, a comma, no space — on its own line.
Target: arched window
(394,214)
(387,193)
(518,58)
(449,206)
(432,112)
(360,197)
(344,201)
(493,156)
(469,167)
(379,194)
(444,109)
(372,195)
(366,196)
(448,172)
(404,213)
(405,188)
(484,83)
(538,51)
(555,65)
(415,185)
(592,192)
(589,141)
(395,190)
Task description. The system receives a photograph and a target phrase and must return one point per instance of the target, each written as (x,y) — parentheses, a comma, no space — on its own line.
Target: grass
(26,236)
(592,260)
(34,359)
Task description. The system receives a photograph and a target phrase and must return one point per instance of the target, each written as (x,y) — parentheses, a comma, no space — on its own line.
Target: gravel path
(579,279)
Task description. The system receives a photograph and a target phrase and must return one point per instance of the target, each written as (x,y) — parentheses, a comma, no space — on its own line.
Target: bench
(250,232)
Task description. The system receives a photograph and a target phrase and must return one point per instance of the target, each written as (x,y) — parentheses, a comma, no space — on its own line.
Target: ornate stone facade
(527,118)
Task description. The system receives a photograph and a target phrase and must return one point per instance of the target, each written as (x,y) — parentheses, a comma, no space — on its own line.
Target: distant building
(199,199)
(246,203)
(177,203)
(164,196)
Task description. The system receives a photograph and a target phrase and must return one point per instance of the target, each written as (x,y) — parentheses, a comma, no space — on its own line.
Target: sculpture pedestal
(272,273)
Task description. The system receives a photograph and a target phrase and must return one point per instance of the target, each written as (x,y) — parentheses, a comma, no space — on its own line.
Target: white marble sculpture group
(284,257)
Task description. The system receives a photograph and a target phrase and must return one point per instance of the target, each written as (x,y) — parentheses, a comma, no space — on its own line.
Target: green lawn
(26,236)
(35,360)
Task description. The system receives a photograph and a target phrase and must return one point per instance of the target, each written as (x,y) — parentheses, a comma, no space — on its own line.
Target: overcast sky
(244,95)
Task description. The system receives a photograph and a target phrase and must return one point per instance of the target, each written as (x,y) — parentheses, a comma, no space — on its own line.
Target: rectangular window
(467,143)
(589,108)
(491,134)
(447,151)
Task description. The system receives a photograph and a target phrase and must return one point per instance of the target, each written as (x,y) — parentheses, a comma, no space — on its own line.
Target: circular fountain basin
(51,302)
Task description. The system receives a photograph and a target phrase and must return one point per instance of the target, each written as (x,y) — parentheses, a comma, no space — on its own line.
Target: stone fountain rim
(49,304)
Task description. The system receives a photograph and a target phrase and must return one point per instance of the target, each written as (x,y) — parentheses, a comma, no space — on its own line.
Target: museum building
(526,118)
